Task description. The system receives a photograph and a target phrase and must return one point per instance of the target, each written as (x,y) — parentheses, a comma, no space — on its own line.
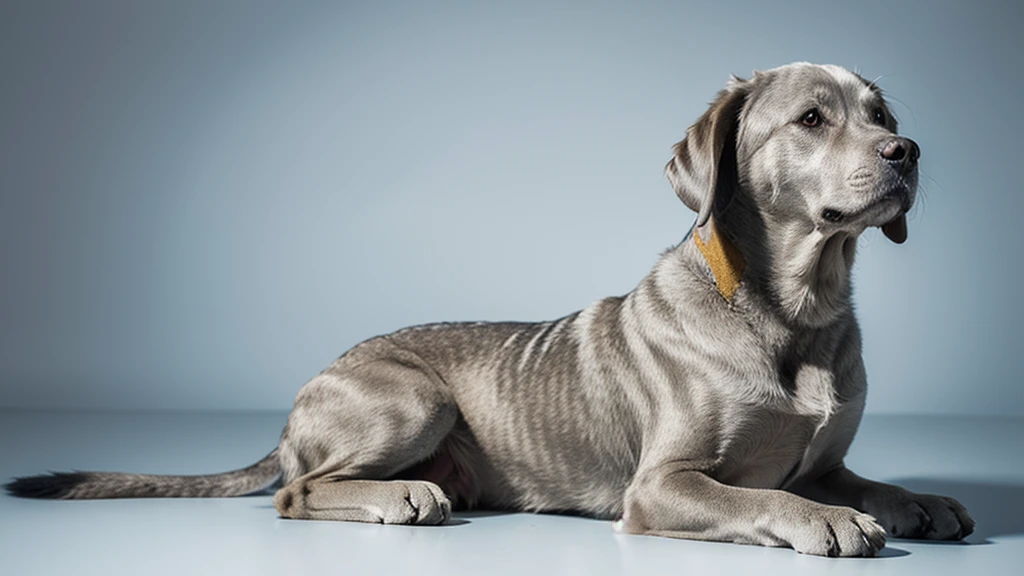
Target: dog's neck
(803,273)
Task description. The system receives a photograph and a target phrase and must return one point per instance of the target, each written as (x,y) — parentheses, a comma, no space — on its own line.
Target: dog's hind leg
(373,414)
(379,501)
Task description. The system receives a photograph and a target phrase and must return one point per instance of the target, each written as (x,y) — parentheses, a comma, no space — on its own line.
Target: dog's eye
(878,116)
(811,118)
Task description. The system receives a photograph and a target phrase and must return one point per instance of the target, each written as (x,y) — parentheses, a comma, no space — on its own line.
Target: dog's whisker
(901,103)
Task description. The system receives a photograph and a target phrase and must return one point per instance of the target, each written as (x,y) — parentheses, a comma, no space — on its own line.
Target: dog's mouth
(896,228)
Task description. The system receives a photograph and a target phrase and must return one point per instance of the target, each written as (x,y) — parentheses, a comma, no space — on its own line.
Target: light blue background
(203,203)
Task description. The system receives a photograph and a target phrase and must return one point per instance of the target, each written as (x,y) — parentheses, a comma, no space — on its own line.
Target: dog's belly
(524,462)
(492,470)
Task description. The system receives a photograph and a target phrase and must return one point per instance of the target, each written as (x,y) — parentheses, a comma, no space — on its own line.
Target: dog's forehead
(782,95)
(796,84)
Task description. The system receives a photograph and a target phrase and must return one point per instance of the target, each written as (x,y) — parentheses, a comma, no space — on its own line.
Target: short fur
(671,409)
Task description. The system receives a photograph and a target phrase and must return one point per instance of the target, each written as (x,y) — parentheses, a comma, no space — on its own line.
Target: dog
(716,401)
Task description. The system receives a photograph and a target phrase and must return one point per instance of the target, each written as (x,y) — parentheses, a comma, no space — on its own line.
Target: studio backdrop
(203,203)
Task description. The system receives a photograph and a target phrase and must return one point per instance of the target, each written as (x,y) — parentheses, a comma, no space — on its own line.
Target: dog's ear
(697,161)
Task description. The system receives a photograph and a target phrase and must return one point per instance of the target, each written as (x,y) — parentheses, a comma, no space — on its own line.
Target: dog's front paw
(837,531)
(921,516)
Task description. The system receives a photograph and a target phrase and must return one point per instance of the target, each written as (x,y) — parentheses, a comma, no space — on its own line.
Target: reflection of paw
(921,516)
(838,531)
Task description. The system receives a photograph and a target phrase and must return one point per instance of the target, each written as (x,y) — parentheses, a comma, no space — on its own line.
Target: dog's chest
(770,439)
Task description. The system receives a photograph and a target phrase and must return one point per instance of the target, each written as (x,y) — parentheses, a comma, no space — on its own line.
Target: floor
(977,460)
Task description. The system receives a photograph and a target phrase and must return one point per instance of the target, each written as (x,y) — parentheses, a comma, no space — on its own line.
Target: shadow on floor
(480,513)
(994,506)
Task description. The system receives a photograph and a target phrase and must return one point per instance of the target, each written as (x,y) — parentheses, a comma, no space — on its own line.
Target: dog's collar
(725,260)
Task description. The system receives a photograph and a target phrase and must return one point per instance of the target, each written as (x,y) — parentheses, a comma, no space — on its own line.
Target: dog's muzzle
(902,155)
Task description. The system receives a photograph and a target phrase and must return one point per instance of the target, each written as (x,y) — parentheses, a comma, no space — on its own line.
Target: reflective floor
(977,460)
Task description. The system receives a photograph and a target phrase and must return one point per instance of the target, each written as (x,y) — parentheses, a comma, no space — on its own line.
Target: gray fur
(671,409)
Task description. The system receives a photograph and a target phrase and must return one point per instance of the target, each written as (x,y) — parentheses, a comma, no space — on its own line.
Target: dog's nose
(901,150)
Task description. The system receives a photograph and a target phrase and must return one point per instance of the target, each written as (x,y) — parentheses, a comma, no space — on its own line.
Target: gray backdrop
(203,203)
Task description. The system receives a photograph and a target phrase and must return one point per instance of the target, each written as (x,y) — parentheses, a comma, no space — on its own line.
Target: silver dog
(716,401)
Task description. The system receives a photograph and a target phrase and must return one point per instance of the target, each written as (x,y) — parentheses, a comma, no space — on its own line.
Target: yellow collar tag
(725,260)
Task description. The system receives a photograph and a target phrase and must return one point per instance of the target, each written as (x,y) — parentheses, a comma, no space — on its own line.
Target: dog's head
(814,147)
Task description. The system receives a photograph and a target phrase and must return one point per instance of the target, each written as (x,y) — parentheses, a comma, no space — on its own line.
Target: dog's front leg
(902,512)
(688,504)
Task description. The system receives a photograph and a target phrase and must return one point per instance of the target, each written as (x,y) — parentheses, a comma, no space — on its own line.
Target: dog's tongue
(896,229)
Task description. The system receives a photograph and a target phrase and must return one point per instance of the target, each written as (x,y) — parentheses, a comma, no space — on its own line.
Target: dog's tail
(94,485)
